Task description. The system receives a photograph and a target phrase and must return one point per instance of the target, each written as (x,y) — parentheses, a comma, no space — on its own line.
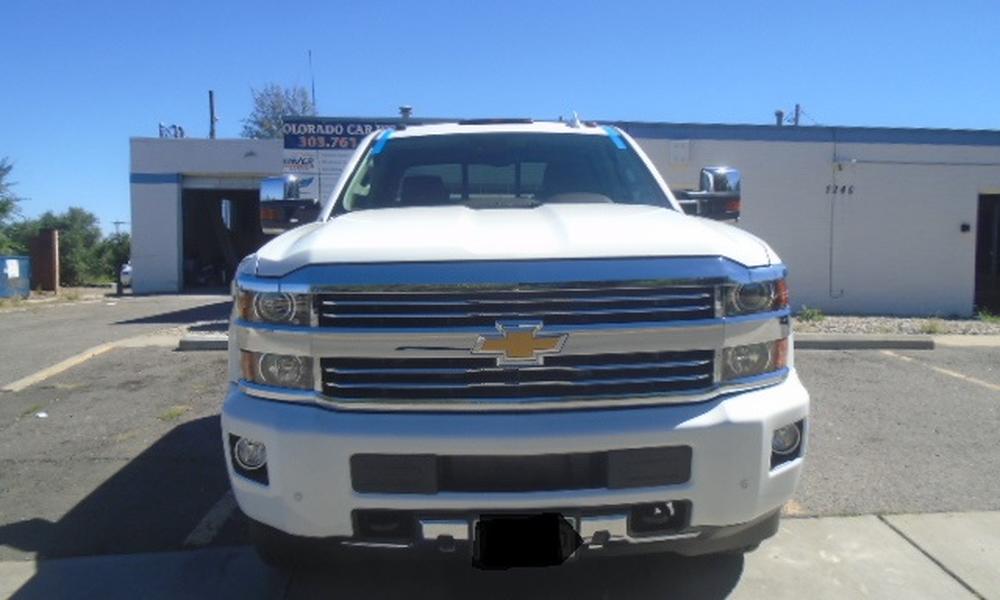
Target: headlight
(759,296)
(278,370)
(274,307)
(739,362)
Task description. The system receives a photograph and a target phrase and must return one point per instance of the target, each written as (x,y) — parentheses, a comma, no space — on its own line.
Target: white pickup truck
(506,342)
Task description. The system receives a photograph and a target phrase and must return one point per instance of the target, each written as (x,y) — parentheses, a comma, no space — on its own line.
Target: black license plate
(530,540)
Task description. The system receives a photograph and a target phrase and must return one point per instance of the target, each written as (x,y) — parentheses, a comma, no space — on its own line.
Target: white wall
(156,237)
(895,243)
(159,170)
(231,158)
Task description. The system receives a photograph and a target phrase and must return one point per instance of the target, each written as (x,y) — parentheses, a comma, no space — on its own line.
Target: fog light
(786,439)
(250,454)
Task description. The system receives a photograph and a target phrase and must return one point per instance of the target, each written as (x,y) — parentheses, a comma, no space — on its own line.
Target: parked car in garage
(126,274)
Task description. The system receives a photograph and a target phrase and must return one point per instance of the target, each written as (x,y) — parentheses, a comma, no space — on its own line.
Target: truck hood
(450,233)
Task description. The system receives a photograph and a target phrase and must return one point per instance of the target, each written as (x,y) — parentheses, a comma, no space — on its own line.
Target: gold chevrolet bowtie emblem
(520,344)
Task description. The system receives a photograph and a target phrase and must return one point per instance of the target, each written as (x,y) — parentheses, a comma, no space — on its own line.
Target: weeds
(34,408)
(986,316)
(174,412)
(932,326)
(11,302)
(810,315)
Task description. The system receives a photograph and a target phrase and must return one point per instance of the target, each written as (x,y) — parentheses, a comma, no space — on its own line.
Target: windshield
(500,170)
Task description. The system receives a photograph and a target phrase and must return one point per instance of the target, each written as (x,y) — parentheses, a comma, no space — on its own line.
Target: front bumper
(309,491)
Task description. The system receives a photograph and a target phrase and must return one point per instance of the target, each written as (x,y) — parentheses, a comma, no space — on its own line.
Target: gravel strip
(897,325)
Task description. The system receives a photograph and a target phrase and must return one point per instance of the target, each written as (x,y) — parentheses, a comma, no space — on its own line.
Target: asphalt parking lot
(127,460)
(38,335)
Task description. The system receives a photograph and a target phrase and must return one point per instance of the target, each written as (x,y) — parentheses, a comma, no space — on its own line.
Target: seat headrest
(566,177)
(425,190)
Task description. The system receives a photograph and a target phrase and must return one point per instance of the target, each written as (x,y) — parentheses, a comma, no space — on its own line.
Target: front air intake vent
(479,378)
(612,304)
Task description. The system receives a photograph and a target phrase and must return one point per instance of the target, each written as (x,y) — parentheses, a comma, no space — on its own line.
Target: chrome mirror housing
(718,195)
(282,207)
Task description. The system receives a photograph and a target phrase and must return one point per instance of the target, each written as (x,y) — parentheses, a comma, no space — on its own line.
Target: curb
(826,341)
(968,341)
(203,342)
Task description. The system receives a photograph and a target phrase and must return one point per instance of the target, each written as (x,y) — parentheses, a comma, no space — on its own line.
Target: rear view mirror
(718,196)
(282,207)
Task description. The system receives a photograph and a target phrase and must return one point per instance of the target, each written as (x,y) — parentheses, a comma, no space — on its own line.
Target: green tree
(270,104)
(8,207)
(79,237)
(113,252)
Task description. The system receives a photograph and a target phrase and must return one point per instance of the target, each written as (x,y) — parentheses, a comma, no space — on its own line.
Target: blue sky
(80,78)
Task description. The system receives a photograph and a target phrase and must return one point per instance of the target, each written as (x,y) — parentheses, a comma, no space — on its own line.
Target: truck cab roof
(500,126)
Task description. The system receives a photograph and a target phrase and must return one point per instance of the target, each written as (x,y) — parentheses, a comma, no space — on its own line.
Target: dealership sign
(326,135)
(321,147)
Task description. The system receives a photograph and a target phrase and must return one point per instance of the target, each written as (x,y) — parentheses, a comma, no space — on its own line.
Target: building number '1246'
(843,189)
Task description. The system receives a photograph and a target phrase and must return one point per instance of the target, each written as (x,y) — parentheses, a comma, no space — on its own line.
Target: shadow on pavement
(149,505)
(216,311)
(634,577)
(221,326)
(142,508)
(153,503)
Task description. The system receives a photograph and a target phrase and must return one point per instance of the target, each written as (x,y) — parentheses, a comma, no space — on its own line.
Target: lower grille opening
(395,526)
(515,473)
(431,474)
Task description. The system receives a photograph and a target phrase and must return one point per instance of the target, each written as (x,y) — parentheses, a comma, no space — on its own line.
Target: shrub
(984,314)
(810,315)
(932,326)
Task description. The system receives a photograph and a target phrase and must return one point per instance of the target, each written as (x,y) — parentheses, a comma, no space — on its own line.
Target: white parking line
(154,339)
(943,371)
(210,525)
(57,368)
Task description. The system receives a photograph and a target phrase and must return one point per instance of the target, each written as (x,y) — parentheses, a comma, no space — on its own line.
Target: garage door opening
(988,253)
(220,228)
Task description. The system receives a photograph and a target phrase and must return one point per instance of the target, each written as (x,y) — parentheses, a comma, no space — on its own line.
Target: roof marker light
(615,137)
(382,141)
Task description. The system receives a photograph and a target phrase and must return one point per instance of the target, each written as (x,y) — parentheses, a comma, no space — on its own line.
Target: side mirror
(282,208)
(718,196)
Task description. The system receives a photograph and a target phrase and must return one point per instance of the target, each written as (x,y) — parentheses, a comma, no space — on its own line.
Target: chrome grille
(479,378)
(565,305)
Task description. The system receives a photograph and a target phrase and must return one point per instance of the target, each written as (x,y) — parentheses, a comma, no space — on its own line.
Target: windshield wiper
(485,203)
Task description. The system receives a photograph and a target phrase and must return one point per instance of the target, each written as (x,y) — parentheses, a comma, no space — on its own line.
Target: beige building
(868,220)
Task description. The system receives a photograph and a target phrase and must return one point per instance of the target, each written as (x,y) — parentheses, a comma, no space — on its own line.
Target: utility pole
(117,224)
(211,115)
(312,79)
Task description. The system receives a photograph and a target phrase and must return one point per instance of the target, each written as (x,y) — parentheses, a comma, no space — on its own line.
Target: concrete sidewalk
(905,556)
